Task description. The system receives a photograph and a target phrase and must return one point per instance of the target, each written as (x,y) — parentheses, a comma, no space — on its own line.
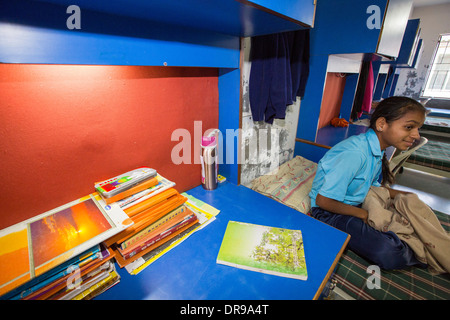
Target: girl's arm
(393,192)
(341,208)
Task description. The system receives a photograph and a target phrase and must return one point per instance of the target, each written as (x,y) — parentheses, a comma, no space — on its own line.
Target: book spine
(133,190)
(159,237)
(138,195)
(141,234)
(131,201)
(113,186)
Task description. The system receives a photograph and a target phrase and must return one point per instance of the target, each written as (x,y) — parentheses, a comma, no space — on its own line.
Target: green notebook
(263,249)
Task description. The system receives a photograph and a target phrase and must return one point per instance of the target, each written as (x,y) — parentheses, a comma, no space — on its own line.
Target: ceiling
(422,3)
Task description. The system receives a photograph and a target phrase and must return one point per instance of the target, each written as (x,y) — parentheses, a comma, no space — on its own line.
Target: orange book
(54,287)
(163,206)
(156,210)
(142,186)
(143,243)
(144,232)
(124,262)
(154,215)
(139,207)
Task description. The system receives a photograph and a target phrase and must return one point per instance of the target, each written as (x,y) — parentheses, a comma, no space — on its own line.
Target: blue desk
(190,271)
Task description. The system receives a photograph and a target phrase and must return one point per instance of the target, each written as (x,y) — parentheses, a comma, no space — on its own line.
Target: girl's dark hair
(391,109)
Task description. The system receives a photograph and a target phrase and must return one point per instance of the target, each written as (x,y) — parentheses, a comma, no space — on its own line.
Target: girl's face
(400,133)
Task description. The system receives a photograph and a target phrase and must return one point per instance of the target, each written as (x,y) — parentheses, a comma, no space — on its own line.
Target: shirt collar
(374,143)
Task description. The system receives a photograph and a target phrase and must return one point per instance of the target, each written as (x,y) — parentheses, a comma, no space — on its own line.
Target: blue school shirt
(347,170)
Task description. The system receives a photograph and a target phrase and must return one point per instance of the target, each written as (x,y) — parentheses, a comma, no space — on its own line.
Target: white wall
(434,20)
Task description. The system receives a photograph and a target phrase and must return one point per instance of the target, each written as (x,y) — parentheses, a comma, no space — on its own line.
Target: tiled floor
(432,189)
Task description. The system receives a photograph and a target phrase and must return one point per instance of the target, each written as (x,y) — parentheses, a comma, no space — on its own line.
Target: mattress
(434,154)
(437,124)
(414,283)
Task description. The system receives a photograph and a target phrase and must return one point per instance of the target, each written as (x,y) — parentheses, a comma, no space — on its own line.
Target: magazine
(270,250)
(49,239)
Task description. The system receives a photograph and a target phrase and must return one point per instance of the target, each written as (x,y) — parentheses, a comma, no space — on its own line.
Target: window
(438,80)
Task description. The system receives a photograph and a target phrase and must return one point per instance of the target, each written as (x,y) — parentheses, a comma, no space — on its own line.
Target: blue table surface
(190,272)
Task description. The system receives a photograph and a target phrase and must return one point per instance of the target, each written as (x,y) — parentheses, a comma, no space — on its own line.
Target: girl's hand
(365,216)
(393,192)
(341,208)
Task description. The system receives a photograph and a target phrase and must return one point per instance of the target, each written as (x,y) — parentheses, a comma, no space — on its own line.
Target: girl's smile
(400,133)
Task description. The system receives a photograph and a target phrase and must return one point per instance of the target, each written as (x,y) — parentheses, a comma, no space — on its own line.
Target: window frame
(441,93)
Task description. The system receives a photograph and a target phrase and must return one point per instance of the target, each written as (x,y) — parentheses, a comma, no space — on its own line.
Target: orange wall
(332,98)
(62,128)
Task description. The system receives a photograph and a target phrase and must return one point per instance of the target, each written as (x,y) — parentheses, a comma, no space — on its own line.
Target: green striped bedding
(408,284)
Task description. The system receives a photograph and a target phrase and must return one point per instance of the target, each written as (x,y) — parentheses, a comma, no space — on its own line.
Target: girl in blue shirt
(346,172)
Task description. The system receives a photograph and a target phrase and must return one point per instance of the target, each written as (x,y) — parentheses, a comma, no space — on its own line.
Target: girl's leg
(382,248)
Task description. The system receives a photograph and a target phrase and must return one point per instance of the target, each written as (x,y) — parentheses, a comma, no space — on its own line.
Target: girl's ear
(380,124)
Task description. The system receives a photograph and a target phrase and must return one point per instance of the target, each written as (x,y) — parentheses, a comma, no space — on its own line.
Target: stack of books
(68,252)
(157,210)
(83,277)
(58,254)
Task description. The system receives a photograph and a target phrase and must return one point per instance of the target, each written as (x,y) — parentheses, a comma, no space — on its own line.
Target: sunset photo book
(264,249)
(34,246)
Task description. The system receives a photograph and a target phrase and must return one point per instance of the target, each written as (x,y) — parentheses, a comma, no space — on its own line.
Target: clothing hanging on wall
(364,91)
(278,74)
(368,93)
(388,82)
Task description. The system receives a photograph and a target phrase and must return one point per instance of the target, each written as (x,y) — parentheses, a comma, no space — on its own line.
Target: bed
(437,124)
(435,154)
(408,284)
(291,183)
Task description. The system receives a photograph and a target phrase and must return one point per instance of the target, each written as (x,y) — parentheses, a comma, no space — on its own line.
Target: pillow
(289,184)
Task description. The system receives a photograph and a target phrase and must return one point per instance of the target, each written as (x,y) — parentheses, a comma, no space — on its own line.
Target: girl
(346,172)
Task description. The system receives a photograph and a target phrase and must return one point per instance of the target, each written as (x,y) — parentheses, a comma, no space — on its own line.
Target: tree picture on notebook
(281,248)
(264,249)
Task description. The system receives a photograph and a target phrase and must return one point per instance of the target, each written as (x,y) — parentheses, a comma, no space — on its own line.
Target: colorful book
(270,250)
(145,185)
(88,282)
(163,184)
(205,214)
(158,236)
(151,256)
(41,243)
(112,279)
(152,227)
(125,181)
(53,274)
(124,262)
